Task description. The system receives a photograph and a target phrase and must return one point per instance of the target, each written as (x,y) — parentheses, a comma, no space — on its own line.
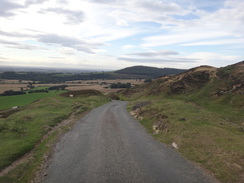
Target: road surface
(108,145)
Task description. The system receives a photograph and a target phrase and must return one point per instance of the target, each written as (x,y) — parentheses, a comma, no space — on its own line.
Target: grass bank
(200,129)
(21,131)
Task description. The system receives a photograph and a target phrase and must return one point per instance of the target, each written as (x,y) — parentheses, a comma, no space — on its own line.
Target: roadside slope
(202,111)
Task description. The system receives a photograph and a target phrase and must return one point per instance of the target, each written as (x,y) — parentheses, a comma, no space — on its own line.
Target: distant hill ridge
(152,72)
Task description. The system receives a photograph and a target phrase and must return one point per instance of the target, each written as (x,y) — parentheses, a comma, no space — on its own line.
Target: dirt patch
(190,82)
(7,113)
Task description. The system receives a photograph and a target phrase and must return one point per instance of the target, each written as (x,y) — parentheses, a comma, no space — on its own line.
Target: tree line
(53,77)
(11,92)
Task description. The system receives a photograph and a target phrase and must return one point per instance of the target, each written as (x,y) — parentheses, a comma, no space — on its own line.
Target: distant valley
(136,72)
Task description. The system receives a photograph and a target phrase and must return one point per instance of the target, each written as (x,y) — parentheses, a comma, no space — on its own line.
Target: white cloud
(161,7)
(99,50)
(226,22)
(215,59)
(126,47)
(159,60)
(67,51)
(13,34)
(182,37)
(7,8)
(160,53)
(72,16)
(16,45)
(70,42)
(31,2)
(27,47)
(158,57)
(217,42)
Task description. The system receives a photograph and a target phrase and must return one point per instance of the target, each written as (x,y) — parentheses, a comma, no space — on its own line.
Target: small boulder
(174,145)
(15,108)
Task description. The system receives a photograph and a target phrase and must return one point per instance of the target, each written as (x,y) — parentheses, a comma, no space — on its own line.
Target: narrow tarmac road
(108,145)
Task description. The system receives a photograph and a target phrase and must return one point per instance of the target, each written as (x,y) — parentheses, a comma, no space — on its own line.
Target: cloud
(2,57)
(217,42)
(168,57)
(215,59)
(159,60)
(126,12)
(31,2)
(105,1)
(161,7)
(99,50)
(8,42)
(58,58)
(62,1)
(13,34)
(155,53)
(12,44)
(182,37)
(8,7)
(72,16)
(69,42)
(27,47)
(126,47)
(67,51)
(226,21)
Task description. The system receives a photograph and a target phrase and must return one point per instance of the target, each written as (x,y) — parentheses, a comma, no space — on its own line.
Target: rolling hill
(149,72)
(202,81)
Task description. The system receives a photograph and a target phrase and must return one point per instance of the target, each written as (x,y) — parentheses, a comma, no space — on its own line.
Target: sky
(114,34)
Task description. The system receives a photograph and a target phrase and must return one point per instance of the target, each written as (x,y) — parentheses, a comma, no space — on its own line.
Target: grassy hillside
(202,111)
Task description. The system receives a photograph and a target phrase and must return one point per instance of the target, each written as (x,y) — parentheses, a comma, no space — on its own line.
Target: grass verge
(202,133)
(21,131)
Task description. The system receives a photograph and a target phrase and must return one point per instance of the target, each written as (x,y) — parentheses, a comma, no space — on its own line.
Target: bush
(120,85)
(60,87)
(148,81)
(11,92)
(38,91)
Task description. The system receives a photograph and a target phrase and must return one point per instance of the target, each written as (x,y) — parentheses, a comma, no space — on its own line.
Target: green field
(21,131)
(39,88)
(7,102)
